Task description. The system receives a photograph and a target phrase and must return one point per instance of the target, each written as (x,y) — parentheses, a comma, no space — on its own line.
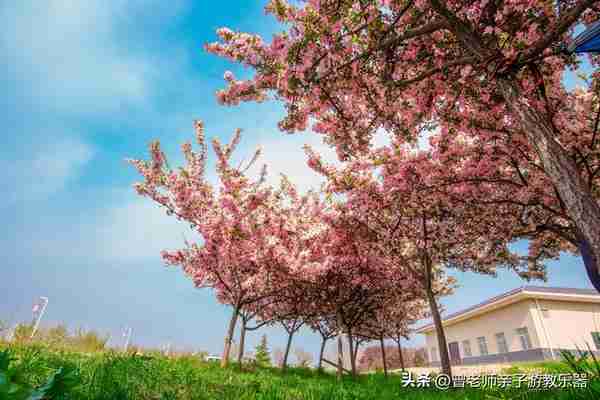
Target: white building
(526,324)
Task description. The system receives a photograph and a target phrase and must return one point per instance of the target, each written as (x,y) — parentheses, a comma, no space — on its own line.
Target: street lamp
(39,309)
(127,334)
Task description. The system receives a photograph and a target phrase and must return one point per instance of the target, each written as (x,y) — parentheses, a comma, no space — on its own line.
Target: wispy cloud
(284,155)
(126,231)
(137,230)
(48,170)
(78,55)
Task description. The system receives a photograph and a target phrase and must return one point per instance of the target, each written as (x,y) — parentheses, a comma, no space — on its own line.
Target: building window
(483,350)
(501,343)
(466,345)
(434,354)
(523,334)
(596,337)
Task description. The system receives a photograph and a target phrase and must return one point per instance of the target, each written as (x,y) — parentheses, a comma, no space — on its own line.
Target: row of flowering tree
(279,257)
(362,266)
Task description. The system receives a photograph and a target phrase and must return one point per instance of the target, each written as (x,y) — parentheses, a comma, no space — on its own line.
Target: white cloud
(127,230)
(49,170)
(138,230)
(73,54)
(283,154)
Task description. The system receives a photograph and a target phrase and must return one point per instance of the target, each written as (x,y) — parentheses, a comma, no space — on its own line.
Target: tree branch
(559,29)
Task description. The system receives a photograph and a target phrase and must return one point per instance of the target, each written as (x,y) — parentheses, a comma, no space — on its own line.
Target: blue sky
(87,84)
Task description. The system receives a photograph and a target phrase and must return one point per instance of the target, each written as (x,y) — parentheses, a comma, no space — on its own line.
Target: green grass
(554,367)
(115,376)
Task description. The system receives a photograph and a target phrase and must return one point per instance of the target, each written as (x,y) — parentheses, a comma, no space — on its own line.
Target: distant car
(213,358)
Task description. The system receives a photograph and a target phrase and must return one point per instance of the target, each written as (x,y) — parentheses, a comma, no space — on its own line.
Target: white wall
(506,319)
(568,324)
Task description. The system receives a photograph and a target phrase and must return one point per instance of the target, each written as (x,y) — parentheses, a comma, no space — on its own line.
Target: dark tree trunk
(356,346)
(400,356)
(590,260)
(352,354)
(320,363)
(287,351)
(340,357)
(562,171)
(242,341)
(383,358)
(441,336)
(435,313)
(229,337)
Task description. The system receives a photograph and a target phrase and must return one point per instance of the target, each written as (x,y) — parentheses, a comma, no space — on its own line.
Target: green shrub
(582,362)
(14,385)
(261,355)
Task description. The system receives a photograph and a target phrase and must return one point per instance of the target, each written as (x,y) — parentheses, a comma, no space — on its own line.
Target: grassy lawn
(555,367)
(110,375)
